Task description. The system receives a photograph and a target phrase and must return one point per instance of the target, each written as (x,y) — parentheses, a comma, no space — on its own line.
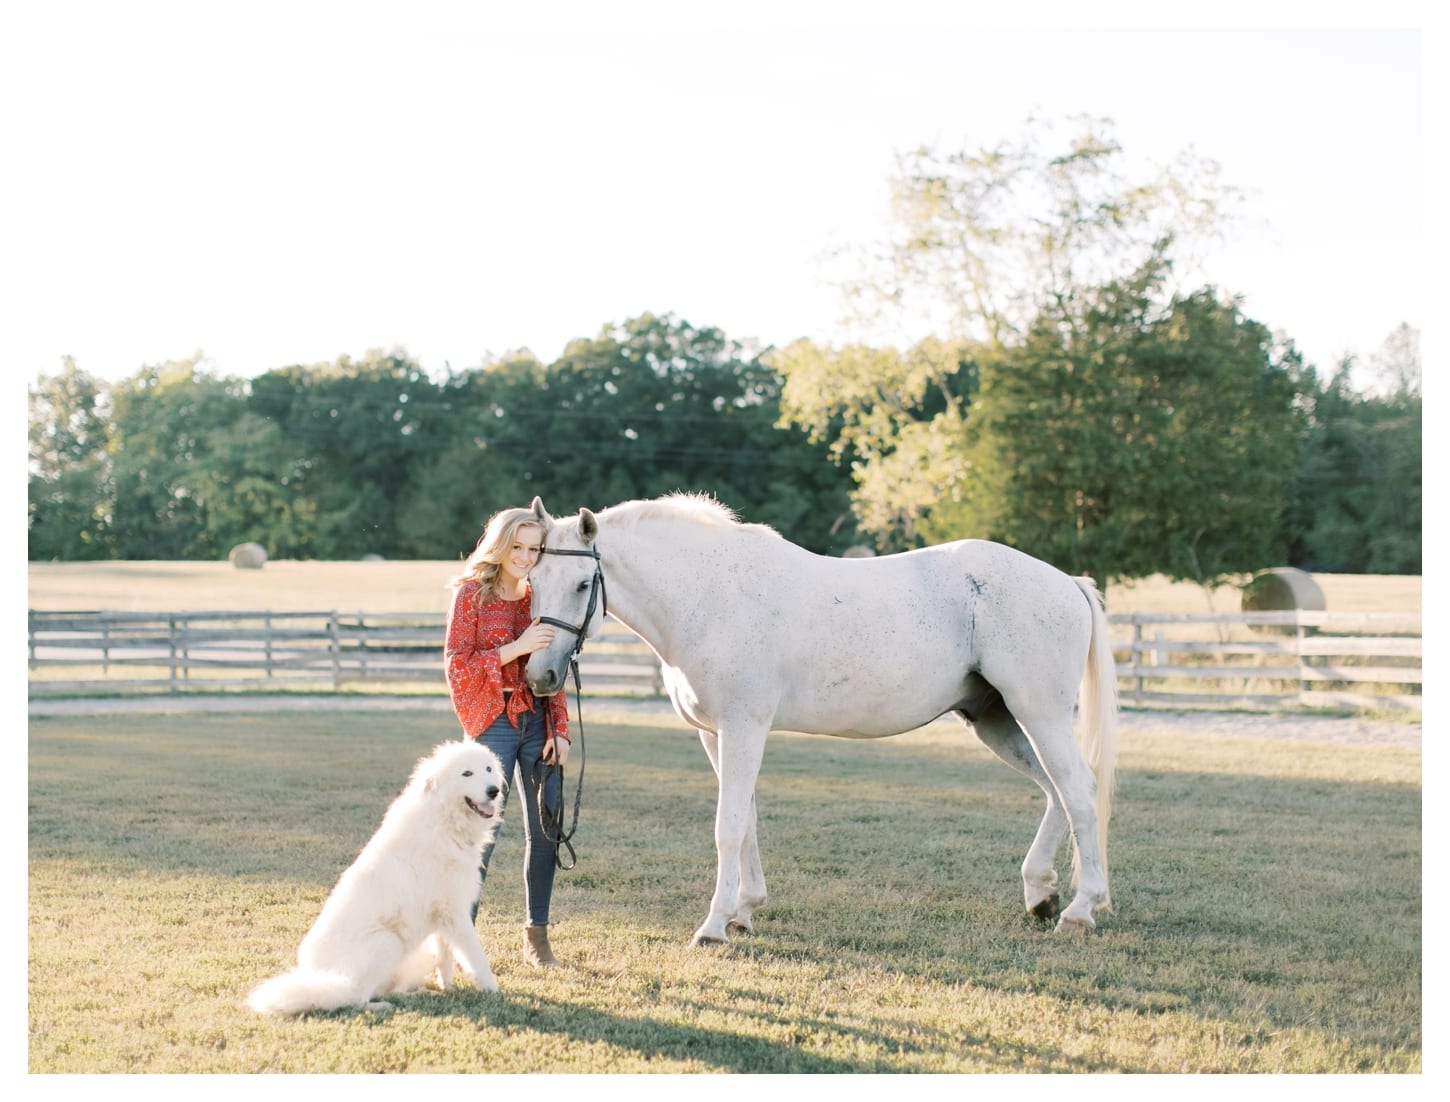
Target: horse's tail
(1098,730)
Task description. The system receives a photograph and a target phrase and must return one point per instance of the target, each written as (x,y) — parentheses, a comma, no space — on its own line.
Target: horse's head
(568,590)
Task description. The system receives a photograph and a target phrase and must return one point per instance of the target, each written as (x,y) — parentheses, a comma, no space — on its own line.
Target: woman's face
(521,556)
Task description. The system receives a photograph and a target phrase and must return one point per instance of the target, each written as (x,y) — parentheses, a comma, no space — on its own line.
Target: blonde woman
(491,634)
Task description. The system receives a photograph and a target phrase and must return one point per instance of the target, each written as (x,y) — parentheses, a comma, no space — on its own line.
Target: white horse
(755,634)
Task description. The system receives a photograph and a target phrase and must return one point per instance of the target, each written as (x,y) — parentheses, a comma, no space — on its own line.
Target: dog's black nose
(492,792)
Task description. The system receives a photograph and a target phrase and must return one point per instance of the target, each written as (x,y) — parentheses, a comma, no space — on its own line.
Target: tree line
(1192,446)
(1073,396)
(339,460)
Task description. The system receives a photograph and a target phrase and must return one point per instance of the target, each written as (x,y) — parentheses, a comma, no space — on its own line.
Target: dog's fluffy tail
(304,989)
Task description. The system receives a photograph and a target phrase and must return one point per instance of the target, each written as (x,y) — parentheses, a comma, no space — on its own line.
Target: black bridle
(553,819)
(596,591)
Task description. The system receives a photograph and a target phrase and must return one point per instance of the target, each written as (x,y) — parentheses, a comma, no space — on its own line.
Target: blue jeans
(520,750)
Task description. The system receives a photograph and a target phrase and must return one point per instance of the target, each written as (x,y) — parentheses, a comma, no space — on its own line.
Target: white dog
(399,915)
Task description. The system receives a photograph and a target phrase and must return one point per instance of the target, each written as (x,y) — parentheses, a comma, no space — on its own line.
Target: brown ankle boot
(536,947)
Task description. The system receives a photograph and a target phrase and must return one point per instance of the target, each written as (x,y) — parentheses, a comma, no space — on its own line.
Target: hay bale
(1282,589)
(248,556)
(371,557)
(858,552)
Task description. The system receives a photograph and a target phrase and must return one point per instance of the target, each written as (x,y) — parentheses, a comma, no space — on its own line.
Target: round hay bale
(858,552)
(248,556)
(1282,589)
(371,557)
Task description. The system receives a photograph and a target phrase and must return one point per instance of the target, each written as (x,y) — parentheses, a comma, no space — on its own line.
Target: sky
(269,184)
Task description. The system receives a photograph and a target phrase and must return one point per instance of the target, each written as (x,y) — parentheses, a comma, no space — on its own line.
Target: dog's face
(464,773)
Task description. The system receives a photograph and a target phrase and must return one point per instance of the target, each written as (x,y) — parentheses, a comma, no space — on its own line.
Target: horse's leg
(737,753)
(1001,734)
(1050,731)
(752,874)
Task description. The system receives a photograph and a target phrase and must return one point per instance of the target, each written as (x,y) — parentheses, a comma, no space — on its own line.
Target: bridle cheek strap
(597,593)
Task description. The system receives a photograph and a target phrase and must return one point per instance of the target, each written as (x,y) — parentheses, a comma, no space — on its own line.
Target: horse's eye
(468,772)
(582,587)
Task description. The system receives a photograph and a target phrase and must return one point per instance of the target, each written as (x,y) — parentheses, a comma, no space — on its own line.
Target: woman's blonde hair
(497,539)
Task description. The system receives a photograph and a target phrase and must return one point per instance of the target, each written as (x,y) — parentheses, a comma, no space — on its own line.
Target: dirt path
(1346,731)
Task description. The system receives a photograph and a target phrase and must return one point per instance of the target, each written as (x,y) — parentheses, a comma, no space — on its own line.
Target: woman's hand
(536,636)
(556,748)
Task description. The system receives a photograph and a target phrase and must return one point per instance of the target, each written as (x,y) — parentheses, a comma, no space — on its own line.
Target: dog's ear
(588,525)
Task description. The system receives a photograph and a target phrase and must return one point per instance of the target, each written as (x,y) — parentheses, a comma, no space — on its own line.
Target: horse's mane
(695,508)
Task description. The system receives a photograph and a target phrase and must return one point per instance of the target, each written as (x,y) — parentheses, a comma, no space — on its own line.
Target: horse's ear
(588,525)
(540,511)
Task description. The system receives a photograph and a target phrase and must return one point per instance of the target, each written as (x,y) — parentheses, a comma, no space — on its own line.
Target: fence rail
(85,652)
(1278,660)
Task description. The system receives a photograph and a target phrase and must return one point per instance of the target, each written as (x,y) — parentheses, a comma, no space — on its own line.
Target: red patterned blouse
(476,677)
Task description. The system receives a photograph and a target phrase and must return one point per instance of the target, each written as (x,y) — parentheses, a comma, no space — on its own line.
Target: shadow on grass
(902,860)
(665,1039)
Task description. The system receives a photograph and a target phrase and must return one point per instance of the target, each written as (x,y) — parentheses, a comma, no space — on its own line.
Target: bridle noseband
(596,592)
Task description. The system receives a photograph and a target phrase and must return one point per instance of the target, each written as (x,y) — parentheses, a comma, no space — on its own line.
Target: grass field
(287,586)
(1268,908)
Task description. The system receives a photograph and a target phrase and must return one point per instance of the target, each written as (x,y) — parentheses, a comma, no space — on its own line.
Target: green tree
(894,419)
(1129,441)
(1357,494)
(69,514)
(354,431)
(646,407)
(162,420)
(990,246)
(248,482)
(659,405)
(483,455)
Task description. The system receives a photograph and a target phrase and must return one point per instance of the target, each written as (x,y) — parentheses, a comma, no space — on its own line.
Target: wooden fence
(1268,660)
(1271,660)
(74,653)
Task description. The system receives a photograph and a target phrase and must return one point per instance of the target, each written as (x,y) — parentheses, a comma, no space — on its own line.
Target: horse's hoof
(703,941)
(1067,925)
(1048,908)
(743,927)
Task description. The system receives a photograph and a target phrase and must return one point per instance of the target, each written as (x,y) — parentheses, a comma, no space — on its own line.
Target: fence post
(171,646)
(335,646)
(1299,656)
(267,642)
(1138,662)
(362,647)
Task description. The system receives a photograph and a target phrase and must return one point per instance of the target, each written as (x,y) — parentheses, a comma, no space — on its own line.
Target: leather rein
(553,819)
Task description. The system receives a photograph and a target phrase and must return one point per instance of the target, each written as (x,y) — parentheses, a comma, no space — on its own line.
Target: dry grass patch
(289,586)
